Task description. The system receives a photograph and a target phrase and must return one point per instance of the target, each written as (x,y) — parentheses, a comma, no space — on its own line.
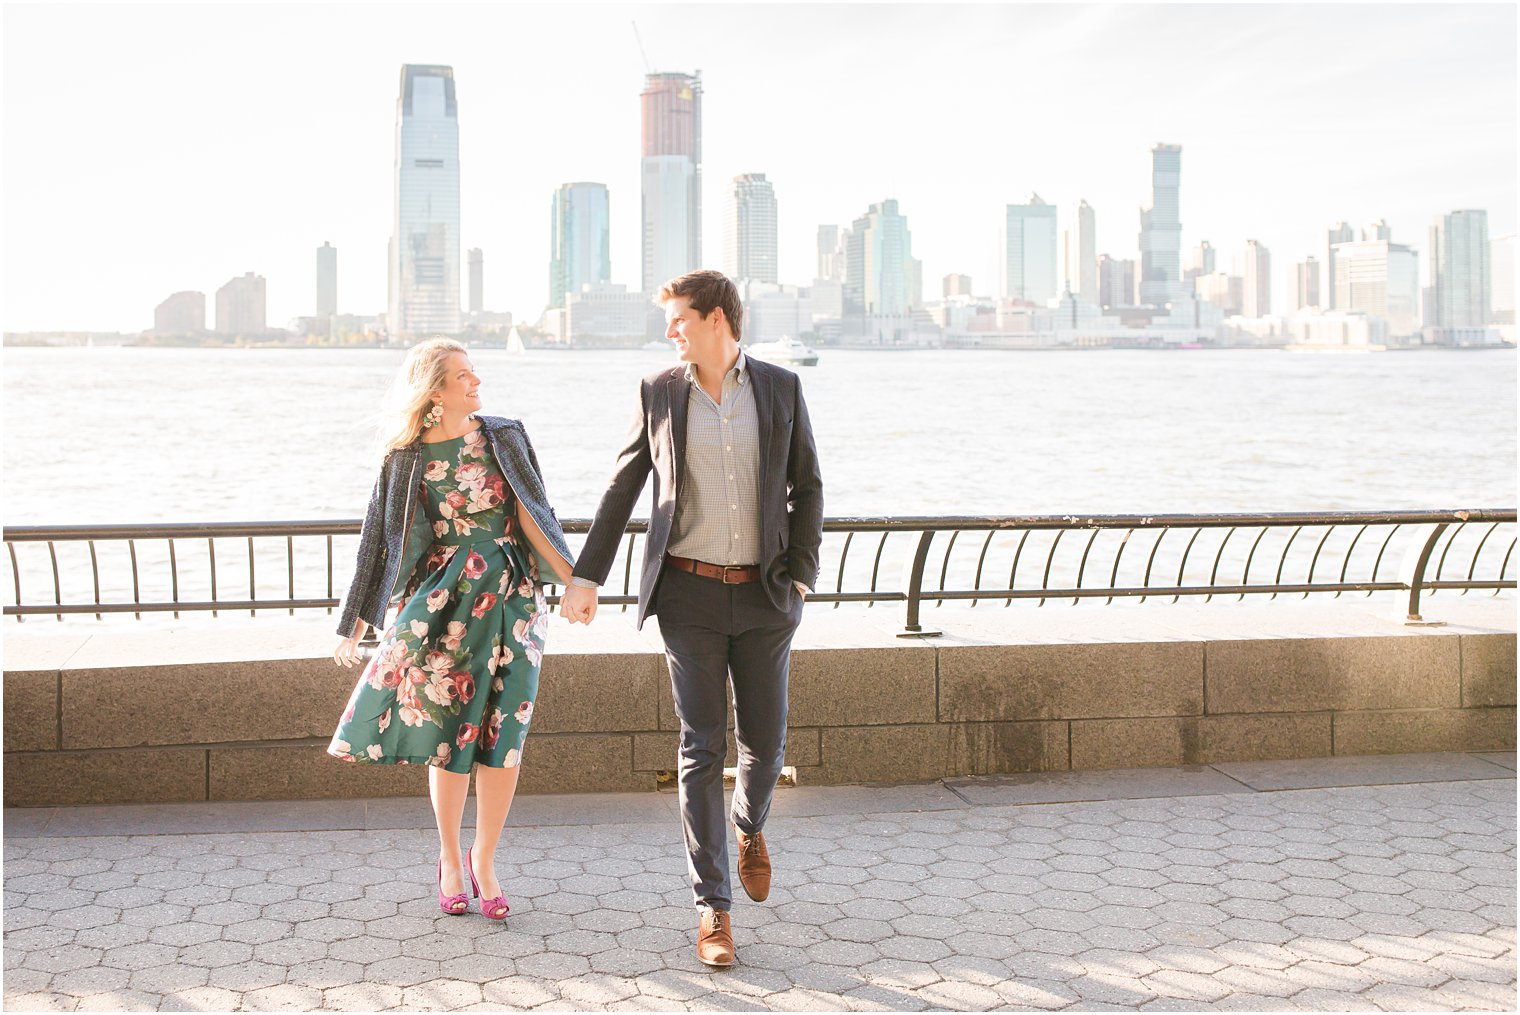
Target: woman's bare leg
(448,791)
(494,789)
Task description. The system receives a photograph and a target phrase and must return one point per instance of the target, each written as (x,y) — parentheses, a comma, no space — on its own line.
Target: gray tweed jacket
(396,531)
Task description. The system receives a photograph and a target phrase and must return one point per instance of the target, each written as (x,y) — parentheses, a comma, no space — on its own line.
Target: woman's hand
(347,653)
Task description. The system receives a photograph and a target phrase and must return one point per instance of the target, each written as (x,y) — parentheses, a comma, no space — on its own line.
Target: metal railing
(911,561)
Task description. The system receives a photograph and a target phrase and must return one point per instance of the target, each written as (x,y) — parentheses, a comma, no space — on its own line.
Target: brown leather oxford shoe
(754,865)
(715,939)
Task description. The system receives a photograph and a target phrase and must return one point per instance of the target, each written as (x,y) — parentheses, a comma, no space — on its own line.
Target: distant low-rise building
(955,285)
(183,313)
(1381,278)
(1116,282)
(1471,337)
(1225,291)
(771,311)
(1306,278)
(240,306)
(607,313)
(1338,328)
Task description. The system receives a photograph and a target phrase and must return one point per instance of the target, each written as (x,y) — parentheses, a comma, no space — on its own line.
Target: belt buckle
(731,567)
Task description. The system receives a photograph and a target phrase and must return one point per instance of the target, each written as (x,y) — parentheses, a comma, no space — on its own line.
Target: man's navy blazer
(790,494)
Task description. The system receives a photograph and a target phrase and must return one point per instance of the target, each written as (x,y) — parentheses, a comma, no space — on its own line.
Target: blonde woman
(460,533)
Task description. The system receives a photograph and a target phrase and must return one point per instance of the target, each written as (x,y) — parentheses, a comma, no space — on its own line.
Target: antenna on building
(648,68)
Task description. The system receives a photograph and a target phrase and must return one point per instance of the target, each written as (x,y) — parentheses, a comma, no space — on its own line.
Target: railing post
(1415,560)
(913,582)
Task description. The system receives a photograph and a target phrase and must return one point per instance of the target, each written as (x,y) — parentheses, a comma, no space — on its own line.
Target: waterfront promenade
(1363,883)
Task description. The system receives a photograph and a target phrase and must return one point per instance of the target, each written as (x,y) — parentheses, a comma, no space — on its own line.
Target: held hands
(578,605)
(347,653)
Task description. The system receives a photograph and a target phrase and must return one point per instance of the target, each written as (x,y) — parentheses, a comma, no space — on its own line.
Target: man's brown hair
(707,289)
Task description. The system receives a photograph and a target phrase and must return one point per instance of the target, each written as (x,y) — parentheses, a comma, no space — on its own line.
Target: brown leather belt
(731,574)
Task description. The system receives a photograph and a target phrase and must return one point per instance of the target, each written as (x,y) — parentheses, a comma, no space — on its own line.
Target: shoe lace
(749,845)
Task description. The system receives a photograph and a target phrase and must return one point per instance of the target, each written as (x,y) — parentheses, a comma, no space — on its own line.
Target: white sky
(149,149)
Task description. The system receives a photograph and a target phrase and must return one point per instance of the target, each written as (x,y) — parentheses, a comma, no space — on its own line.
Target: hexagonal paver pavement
(1362,897)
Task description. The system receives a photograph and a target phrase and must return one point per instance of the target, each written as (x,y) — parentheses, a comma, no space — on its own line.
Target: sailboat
(515,345)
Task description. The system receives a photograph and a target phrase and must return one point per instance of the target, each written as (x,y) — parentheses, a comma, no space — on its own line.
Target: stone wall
(117,718)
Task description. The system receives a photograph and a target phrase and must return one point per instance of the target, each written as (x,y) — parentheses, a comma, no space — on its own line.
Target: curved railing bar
(945,565)
(1329,531)
(1049,560)
(1082,567)
(1346,561)
(1378,563)
(136,592)
(1018,551)
(1214,572)
(1478,553)
(628,568)
(1282,561)
(1151,560)
(95,573)
(174,575)
(839,575)
(1114,574)
(15,570)
(876,564)
(1245,574)
(1186,552)
(1441,564)
(982,559)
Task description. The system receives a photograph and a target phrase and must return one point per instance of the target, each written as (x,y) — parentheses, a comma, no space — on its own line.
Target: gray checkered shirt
(718,510)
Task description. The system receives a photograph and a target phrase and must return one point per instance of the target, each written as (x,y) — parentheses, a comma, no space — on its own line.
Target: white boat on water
(657,345)
(515,345)
(787,351)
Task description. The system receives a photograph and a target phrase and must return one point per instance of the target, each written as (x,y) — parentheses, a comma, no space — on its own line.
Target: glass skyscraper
(1161,229)
(1029,251)
(882,277)
(749,236)
(671,177)
(1459,269)
(424,249)
(580,248)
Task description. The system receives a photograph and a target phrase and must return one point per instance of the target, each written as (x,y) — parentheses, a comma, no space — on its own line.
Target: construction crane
(648,69)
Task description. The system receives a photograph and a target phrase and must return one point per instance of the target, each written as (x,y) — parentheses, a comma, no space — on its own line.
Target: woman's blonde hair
(423,373)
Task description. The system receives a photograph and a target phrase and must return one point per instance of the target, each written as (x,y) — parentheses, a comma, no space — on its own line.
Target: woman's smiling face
(460,393)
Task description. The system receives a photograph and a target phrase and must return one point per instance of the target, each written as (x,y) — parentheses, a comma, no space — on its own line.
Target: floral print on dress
(453,680)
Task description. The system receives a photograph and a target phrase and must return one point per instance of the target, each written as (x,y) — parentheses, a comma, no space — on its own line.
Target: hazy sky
(149,149)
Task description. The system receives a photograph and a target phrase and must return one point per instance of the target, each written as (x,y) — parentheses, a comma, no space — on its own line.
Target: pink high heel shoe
(491,909)
(453,905)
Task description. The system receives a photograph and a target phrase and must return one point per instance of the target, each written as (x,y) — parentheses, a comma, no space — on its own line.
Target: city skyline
(1276,170)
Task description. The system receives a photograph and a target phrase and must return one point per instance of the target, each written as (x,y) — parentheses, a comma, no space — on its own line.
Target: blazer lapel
(677,393)
(764,416)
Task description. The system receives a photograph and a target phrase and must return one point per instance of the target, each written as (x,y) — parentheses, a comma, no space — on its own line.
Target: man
(734,530)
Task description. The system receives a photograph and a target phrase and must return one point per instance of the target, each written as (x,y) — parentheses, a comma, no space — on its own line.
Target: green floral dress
(455,675)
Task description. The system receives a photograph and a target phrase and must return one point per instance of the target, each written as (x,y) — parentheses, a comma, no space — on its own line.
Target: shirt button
(734,506)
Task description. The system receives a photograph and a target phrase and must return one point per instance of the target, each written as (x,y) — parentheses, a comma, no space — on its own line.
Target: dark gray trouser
(715,633)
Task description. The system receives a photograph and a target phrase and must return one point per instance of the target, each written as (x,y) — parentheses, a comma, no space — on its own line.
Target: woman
(458,531)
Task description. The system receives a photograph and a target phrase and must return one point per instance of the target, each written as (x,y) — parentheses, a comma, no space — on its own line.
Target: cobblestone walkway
(1347,898)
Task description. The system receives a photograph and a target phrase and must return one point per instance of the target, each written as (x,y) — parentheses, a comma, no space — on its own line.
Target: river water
(148,435)
(98,436)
